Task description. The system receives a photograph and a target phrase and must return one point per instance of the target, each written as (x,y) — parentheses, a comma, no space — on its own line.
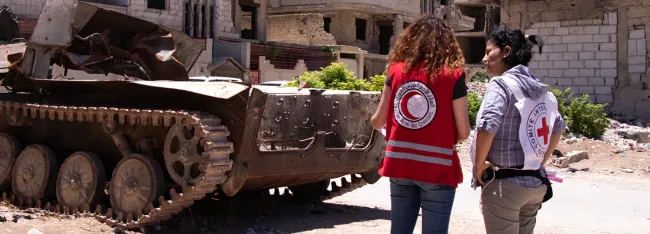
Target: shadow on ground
(268,214)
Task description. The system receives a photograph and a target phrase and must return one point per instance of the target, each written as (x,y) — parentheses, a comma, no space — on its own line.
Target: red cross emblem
(543,131)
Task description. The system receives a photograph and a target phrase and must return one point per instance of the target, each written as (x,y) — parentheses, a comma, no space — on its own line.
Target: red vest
(420,130)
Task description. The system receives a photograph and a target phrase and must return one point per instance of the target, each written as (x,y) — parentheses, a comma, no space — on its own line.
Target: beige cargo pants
(510,208)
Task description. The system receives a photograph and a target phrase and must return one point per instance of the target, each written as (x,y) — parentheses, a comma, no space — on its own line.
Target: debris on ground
(571,157)
(16,217)
(627,170)
(3,219)
(574,170)
(34,231)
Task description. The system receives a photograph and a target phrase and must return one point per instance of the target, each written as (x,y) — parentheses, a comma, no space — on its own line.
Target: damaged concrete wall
(613,31)
(171,17)
(24,9)
(268,72)
(202,65)
(302,29)
(402,6)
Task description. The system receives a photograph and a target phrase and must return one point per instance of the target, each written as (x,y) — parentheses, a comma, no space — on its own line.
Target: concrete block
(635,78)
(612,18)
(560,48)
(533,64)
(532,31)
(586,55)
(591,29)
(641,47)
(596,81)
(565,81)
(586,89)
(577,64)
(608,47)
(546,31)
(555,56)
(587,72)
(550,81)
(577,30)
(570,39)
(608,72)
(540,72)
(604,55)
(570,56)
(613,38)
(561,31)
(540,57)
(580,81)
(546,64)
(554,39)
(553,24)
(574,47)
(556,72)
(592,63)
(538,25)
(570,72)
(634,68)
(608,64)
(631,47)
(610,81)
(603,90)
(604,99)
(608,29)
(585,38)
(591,47)
(601,38)
(561,64)
(636,59)
(637,34)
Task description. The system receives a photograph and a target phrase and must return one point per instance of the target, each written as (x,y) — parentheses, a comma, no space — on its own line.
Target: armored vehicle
(136,150)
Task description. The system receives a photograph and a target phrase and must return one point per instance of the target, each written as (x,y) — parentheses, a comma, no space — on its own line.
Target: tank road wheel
(34,173)
(182,155)
(9,149)
(136,182)
(81,180)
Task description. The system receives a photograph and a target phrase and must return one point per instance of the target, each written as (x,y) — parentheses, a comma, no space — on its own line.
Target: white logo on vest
(537,129)
(414,105)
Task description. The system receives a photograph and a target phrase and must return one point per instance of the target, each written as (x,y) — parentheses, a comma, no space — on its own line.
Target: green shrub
(336,76)
(377,82)
(480,76)
(474,103)
(582,117)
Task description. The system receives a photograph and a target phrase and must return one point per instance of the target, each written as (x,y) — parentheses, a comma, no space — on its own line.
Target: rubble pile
(627,137)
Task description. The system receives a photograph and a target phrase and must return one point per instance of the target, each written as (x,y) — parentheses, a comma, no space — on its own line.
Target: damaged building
(595,47)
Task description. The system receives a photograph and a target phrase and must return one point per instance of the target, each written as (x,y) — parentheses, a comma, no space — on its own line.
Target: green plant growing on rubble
(582,116)
(480,76)
(474,103)
(337,76)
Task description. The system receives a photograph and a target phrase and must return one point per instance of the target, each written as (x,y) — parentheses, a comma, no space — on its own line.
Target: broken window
(245,32)
(156,4)
(197,30)
(327,22)
(204,23)
(361,29)
(385,33)
(187,28)
(444,2)
(211,22)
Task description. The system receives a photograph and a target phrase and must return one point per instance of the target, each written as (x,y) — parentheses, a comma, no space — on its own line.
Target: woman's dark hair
(429,42)
(520,45)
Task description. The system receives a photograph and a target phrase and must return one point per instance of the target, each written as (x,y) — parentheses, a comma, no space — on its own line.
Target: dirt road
(586,202)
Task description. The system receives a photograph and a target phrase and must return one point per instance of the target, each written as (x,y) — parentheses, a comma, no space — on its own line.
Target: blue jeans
(407,196)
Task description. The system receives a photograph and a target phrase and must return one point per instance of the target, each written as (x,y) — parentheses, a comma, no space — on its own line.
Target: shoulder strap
(514,87)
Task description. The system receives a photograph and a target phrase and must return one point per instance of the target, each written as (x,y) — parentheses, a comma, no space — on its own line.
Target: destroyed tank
(135,151)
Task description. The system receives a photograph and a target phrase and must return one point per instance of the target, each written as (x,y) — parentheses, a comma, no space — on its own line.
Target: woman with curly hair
(424,110)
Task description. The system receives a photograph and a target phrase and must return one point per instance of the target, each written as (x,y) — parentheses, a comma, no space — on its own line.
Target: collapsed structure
(135,150)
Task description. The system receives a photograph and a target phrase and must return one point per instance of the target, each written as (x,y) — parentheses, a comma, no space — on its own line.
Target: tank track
(214,166)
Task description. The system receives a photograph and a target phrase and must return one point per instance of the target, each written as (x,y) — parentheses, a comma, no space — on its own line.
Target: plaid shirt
(501,118)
